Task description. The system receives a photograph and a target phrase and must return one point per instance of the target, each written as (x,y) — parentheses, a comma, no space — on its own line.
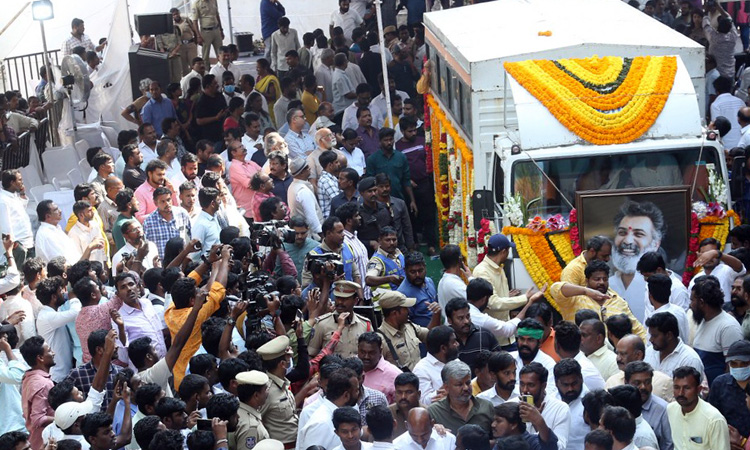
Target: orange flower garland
(601,113)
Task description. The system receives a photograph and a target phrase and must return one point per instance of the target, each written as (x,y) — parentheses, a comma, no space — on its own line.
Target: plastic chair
(37,192)
(75,178)
(61,184)
(81,148)
(30,176)
(58,162)
(84,168)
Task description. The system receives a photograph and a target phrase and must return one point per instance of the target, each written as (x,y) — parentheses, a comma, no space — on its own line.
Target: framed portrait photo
(638,221)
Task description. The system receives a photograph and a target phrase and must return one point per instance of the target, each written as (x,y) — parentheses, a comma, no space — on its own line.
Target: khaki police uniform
(279,411)
(269,444)
(206,13)
(168,43)
(406,343)
(250,428)
(189,47)
(327,325)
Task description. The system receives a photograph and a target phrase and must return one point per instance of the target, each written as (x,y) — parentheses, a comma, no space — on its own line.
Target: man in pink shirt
(35,386)
(156,176)
(241,172)
(379,373)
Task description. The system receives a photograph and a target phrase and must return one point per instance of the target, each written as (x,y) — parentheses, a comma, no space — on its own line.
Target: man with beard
(459,407)
(403,339)
(598,248)
(471,338)
(639,228)
(668,351)
(716,329)
(529,338)
(379,374)
(654,409)
(503,365)
(568,345)
(188,170)
(596,295)
(478,293)
(35,386)
(631,348)
(442,347)
(345,294)
(342,390)
(728,390)
(723,267)
(571,389)
(693,420)
(556,414)
(407,398)
(740,306)
(418,286)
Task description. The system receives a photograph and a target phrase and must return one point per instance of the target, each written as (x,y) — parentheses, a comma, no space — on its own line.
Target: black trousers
(425,222)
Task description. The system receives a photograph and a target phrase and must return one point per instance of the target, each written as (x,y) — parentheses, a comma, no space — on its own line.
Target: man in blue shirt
(301,246)
(158,108)
(270,13)
(418,285)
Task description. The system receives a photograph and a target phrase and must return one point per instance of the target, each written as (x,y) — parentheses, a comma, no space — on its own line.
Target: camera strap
(393,352)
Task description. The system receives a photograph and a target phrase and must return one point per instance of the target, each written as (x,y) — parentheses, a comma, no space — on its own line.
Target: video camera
(316,264)
(272,233)
(259,289)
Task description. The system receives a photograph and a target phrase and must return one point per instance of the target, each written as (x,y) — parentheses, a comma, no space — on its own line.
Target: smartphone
(526,398)
(204,425)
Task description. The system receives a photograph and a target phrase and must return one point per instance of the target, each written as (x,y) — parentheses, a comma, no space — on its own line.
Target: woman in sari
(268,84)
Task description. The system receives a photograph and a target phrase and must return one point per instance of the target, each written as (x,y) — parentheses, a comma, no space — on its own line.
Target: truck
(496,141)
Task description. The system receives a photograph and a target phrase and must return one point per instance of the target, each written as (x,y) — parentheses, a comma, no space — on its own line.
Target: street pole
(229,16)
(47,67)
(386,84)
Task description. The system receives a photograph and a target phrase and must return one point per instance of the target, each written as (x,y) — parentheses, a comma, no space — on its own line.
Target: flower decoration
(557,222)
(602,100)
(514,210)
(575,238)
(716,210)
(544,33)
(536,224)
(708,220)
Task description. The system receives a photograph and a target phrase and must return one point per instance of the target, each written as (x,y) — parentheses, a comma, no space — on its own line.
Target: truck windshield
(671,167)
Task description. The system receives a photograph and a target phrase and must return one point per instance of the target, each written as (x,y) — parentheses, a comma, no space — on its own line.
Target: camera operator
(345,297)
(333,242)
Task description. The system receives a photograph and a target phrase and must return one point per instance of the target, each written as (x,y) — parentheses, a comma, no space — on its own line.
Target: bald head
(630,348)
(112,185)
(419,426)
(743,116)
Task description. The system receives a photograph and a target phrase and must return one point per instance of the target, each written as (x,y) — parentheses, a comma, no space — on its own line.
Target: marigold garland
(613,113)
(703,228)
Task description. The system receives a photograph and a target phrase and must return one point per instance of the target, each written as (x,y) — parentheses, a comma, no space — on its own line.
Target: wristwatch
(231,322)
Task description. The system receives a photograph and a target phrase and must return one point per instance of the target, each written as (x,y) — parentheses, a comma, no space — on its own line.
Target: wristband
(221,441)
(720,254)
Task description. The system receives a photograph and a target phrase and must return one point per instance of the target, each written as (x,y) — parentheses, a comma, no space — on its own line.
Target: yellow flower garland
(615,117)
(597,70)
(713,227)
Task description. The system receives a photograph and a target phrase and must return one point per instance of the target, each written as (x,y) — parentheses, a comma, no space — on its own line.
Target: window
(466,121)
(499,181)
(671,167)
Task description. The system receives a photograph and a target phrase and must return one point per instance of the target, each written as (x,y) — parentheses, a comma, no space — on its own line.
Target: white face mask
(291,366)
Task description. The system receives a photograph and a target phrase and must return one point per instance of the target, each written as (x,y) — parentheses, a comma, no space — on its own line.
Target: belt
(209,28)
(290,445)
(188,41)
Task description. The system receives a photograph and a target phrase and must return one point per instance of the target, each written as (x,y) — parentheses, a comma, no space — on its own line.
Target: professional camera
(259,289)
(316,264)
(272,234)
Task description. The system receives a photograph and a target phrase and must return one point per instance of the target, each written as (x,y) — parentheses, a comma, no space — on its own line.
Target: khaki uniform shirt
(376,268)
(406,342)
(250,429)
(500,302)
(326,326)
(279,416)
(184,29)
(206,12)
(167,42)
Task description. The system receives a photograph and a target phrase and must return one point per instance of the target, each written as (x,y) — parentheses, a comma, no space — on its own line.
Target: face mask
(740,373)
(229,89)
(148,94)
(291,366)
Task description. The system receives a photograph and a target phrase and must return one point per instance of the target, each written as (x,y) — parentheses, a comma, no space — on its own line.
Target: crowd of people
(243,272)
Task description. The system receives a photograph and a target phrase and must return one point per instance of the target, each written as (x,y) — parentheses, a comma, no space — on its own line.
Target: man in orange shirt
(543,313)
(184,293)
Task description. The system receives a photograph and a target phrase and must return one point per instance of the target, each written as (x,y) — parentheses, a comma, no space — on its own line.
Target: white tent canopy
(23,37)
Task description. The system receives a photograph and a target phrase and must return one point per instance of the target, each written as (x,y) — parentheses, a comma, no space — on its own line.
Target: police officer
(374,215)
(187,31)
(333,242)
(279,416)
(252,392)
(170,43)
(401,337)
(386,267)
(206,13)
(345,294)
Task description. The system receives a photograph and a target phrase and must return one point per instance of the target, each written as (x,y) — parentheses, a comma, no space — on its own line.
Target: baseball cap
(67,413)
(499,242)
(739,351)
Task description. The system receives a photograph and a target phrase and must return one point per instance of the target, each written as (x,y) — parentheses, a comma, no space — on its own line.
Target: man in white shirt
(743,119)
(51,240)
(134,246)
(342,390)
(619,423)
(283,40)
(421,434)
(344,91)
(300,195)
(364,100)
(147,144)
(593,336)
(199,69)
(533,380)
(571,389)
(51,324)
(727,105)
(503,366)
(652,263)
(478,293)
(379,100)
(442,347)
(714,262)
(529,339)
(451,285)
(347,19)
(667,350)
(324,75)
(659,289)
(568,345)
(14,220)
(225,64)
(86,230)
(347,424)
